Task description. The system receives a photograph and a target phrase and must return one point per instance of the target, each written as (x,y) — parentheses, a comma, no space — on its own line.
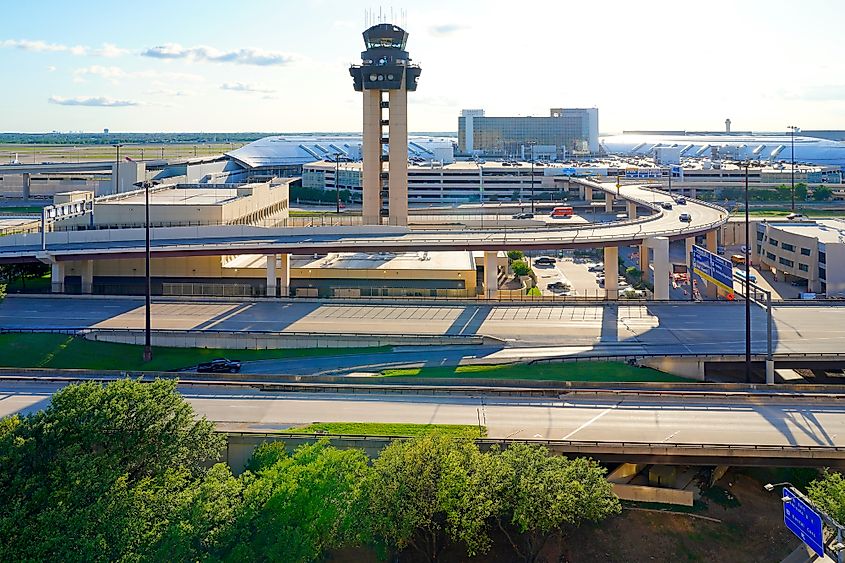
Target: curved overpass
(235,239)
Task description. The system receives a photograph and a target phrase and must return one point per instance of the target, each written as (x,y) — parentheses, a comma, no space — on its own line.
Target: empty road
(711,421)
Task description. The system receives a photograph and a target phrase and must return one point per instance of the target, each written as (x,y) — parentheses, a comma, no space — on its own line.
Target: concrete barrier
(271,341)
(641,493)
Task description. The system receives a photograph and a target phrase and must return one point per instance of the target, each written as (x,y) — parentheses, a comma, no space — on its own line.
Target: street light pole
(117,166)
(148,349)
(747,285)
(531,148)
(337,182)
(792,129)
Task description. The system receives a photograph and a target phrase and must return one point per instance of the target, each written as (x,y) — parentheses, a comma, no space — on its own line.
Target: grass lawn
(31,284)
(388,429)
(564,371)
(821,213)
(17,210)
(69,352)
(307,213)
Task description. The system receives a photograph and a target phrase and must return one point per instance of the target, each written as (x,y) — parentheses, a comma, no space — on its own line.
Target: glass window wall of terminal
(507,136)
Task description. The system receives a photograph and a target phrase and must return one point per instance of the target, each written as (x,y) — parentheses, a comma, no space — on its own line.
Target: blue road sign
(712,267)
(804,522)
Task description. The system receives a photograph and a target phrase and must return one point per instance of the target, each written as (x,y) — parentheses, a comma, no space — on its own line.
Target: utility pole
(747,284)
(792,129)
(148,349)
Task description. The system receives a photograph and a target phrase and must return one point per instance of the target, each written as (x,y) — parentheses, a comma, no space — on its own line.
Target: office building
(565,133)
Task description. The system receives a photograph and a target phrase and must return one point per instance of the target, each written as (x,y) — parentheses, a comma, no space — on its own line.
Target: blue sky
(259,65)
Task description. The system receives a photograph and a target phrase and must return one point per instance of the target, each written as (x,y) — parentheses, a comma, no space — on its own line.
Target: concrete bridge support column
(644,262)
(611,272)
(588,194)
(582,192)
(632,210)
(271,275)
(283,271)
(87,276)
(491,274)
(27,184)
(660,246)
(689,242)
(57,277)
(711,241)
(608,202)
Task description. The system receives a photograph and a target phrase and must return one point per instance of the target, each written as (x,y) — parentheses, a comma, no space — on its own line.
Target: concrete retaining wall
(641,493)
(272,341)
(691,368)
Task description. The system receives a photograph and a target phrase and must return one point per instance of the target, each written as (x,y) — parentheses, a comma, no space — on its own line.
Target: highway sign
(712,267)
(804,522)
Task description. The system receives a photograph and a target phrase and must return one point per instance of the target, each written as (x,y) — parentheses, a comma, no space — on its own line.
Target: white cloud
(444,30)
(170,93)
(246,56)
(38,46)
(51,68)
(243,87)
(114,74)
(99,101)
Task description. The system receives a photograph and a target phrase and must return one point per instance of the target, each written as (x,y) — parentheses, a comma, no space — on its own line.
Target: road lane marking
(592,420)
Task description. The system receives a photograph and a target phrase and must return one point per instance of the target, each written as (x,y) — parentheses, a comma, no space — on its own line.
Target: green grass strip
(563,371)
(68,352)
(388,429)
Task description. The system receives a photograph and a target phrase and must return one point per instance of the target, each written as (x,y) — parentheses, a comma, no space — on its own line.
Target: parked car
(219,365)
(558,286)
(720,250)
(596,267)
(544,261)
(685,217)
(793,216)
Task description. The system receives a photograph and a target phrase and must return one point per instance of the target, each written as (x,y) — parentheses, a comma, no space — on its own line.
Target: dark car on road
(523,216)
(219,365)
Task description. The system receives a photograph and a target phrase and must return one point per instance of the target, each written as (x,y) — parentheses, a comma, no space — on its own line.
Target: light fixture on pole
(148,349)
(792,129)
(531,148)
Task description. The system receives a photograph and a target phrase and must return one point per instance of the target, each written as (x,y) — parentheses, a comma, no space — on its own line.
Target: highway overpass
(654,230)
(708,429)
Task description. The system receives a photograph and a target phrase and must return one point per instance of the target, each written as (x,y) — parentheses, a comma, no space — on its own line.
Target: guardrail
(703,450)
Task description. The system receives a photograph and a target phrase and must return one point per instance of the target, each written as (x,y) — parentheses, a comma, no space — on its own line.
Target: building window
(822,273)
(786,262)
(759,235)
(804,267)
(773,242)
(770,256)
(788,247)
(805,251)
(822,257)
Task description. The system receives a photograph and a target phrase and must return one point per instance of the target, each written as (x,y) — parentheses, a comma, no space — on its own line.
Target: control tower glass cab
(385,65)
(384,77)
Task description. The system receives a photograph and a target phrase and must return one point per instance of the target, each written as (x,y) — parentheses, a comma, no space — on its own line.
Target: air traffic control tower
(385,76)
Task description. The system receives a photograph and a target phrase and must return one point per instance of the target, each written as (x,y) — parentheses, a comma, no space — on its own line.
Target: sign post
(803,520)
(713,268)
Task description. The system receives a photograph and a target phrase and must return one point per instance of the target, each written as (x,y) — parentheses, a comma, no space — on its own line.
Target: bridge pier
(632,210)
(588,194)
(271,275)
(660,247)
(689,242)
(608,202)
(87,267)
(611,272)
(491,274)
(711,241)
(278,274)
(57,277)
(27,185)
(644,262)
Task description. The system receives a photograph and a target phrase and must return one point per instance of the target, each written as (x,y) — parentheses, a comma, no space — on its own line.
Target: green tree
(102,472)
(515,255)
(2,292)
(829,494)
(822,193)
(521,268)
(298,506)
(801,191)
(633,273)
(424,491)
(542,493)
